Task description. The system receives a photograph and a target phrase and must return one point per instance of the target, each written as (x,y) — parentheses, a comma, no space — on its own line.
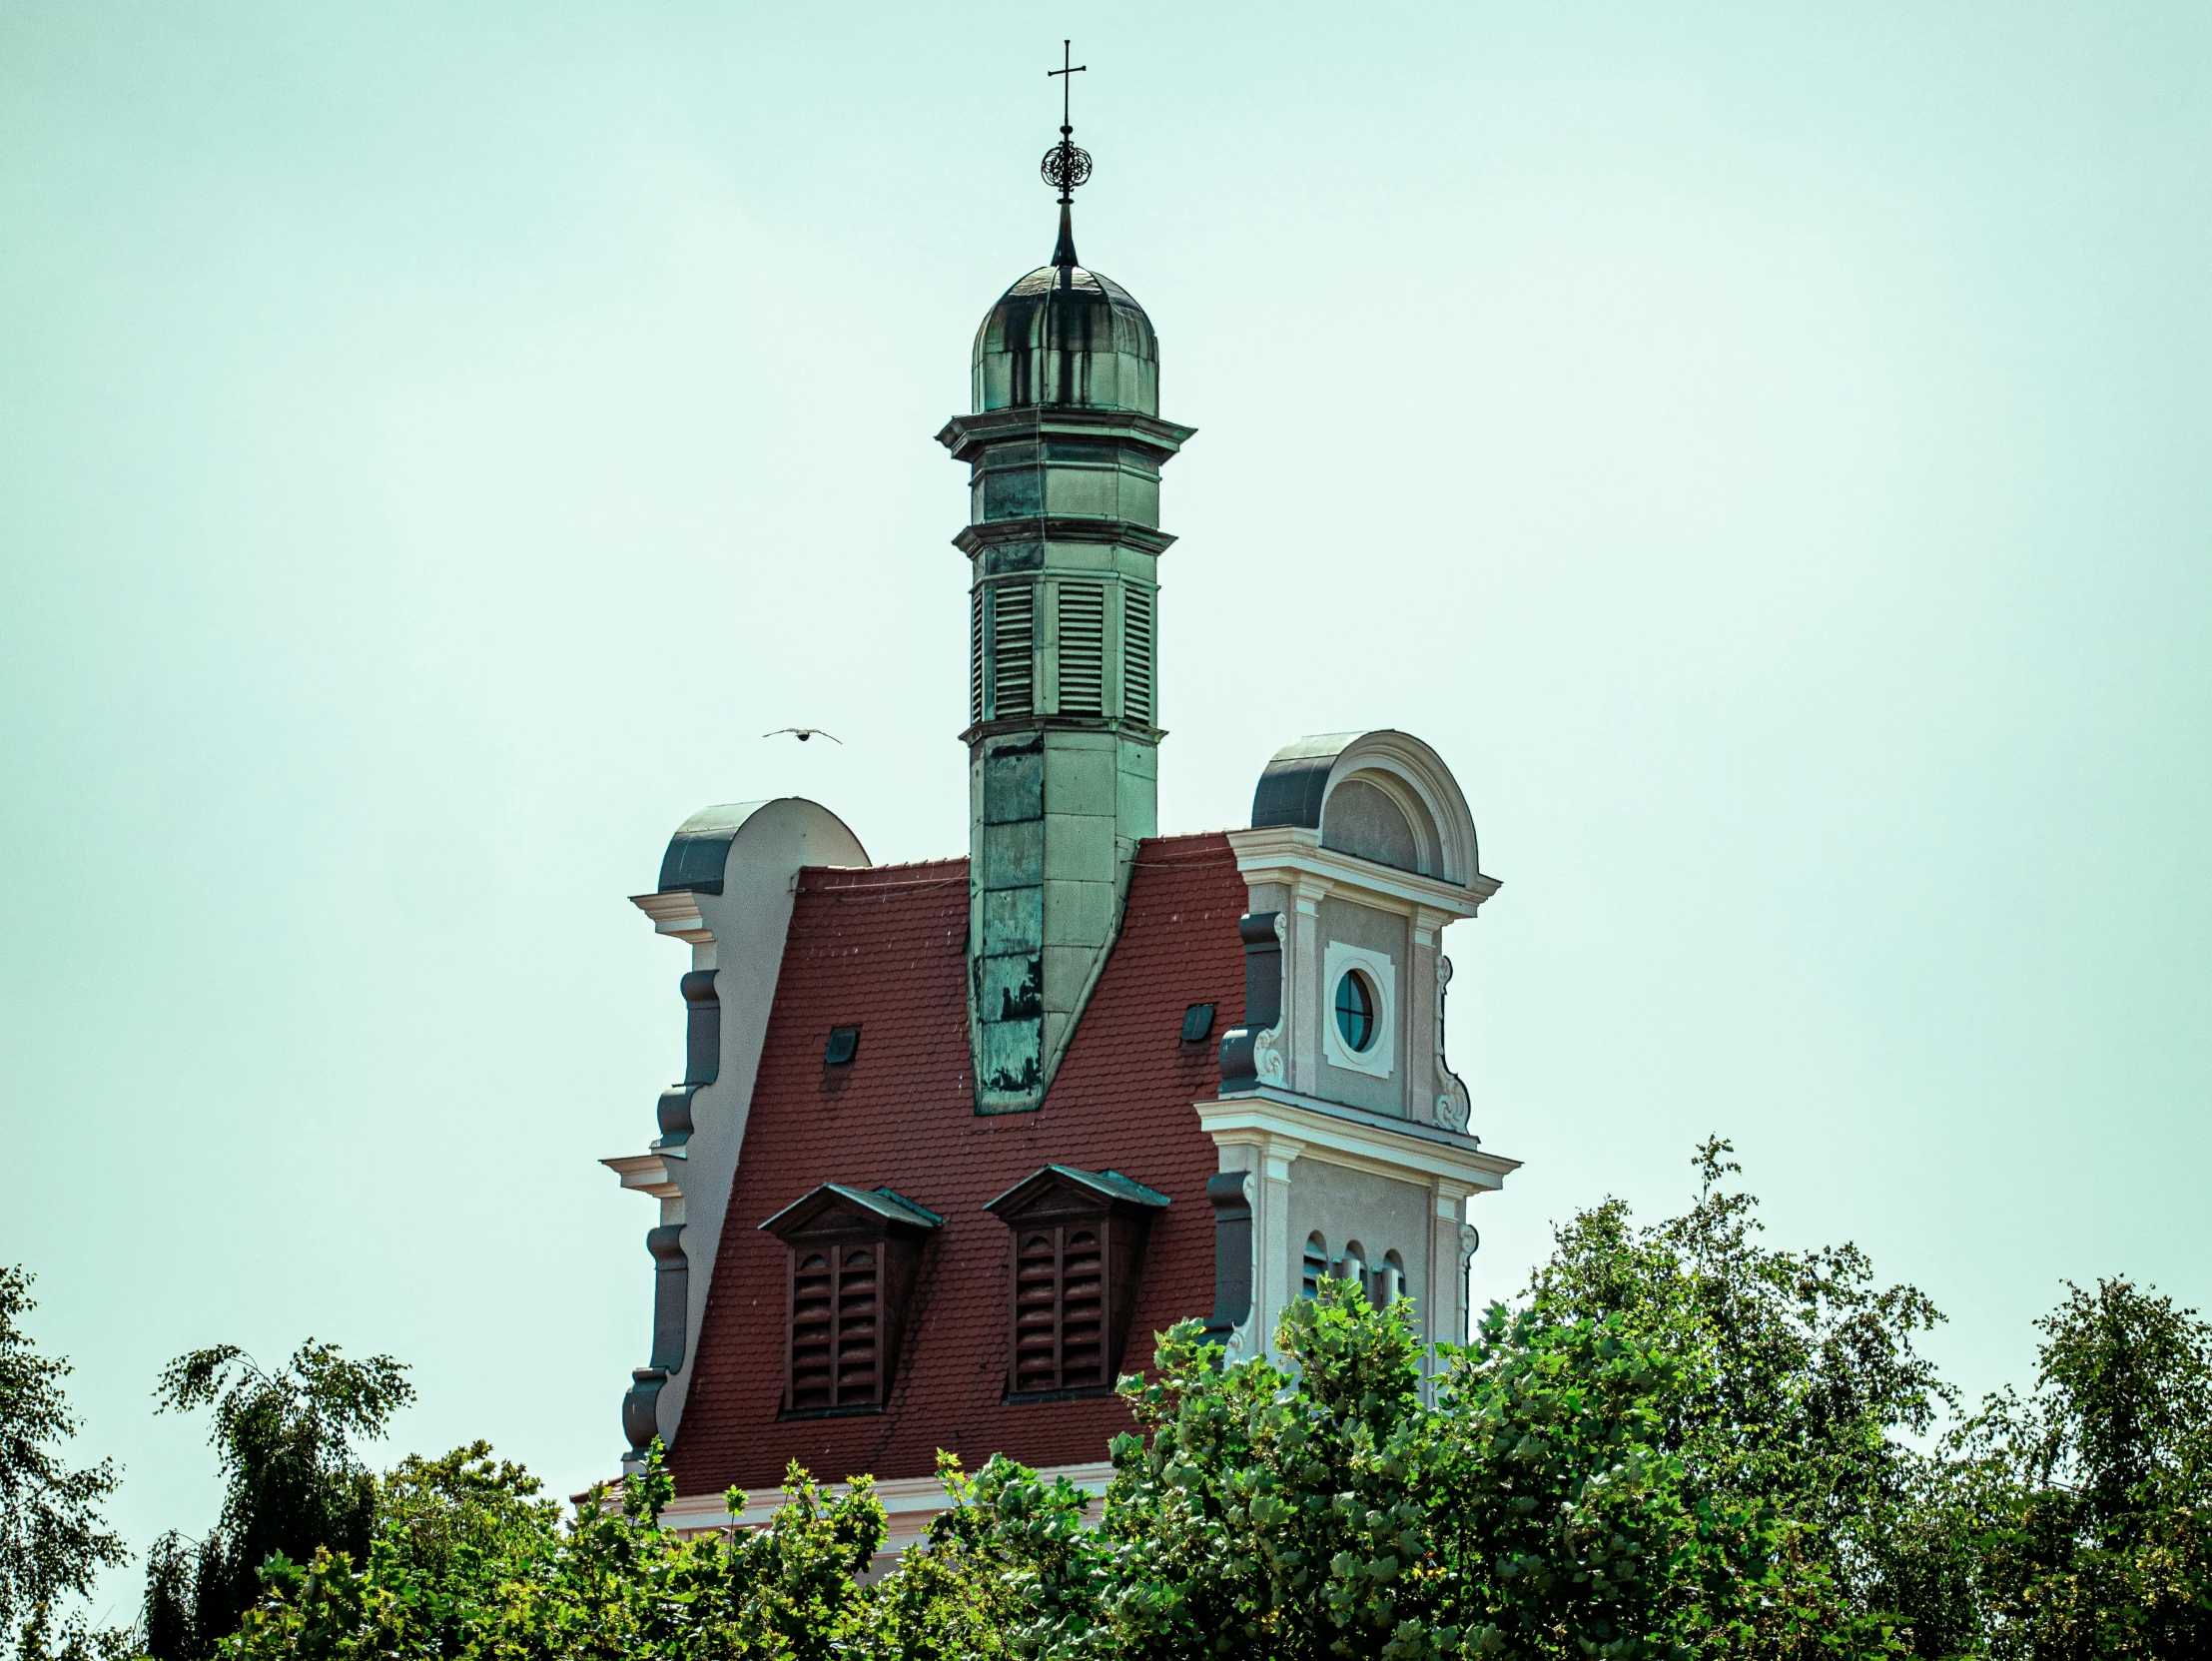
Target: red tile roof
(883,948)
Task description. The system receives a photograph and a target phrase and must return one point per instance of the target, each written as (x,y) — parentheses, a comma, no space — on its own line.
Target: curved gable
(1383,796)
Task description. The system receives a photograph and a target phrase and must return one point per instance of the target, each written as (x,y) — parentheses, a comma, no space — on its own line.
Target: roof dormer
(1360,851)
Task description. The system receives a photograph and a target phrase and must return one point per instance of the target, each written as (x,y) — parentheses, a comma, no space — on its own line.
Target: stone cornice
(1293,855)
(1063,723)
(908,1503)
(676,914)
(646,1172)
(964,434)
(1060,528)
(1303,1127)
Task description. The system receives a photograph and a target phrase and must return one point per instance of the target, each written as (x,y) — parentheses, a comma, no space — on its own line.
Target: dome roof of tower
(1066,336)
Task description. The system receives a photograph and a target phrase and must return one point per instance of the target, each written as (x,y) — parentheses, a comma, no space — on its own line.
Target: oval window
(1356,1011)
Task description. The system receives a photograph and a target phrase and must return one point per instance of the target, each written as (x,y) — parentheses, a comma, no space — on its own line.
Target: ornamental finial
(1066,164)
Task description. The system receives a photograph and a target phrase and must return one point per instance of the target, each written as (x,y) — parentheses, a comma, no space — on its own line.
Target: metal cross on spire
(1070,70)
(1066,164)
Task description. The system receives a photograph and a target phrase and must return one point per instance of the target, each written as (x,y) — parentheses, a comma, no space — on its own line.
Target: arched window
(813,1302)
(1389,1280)
(1316,1265)
(1352,1267)
(835,1323)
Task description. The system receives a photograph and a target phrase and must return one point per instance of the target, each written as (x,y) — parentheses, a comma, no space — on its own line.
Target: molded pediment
(1061,1190)
(834,1209)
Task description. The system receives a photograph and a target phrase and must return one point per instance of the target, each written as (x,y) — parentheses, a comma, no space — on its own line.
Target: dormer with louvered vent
(854,1256)
(1076,1247)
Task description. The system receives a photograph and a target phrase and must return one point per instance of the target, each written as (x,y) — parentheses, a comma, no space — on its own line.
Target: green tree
(2089,1501)
(1684,1445)
(465,1563)
(448,1533)
(1258,1512)
(958,1598)
(52,1537)
(1323,1509)
(1569,1524)
(1801,1384)
(294,1482)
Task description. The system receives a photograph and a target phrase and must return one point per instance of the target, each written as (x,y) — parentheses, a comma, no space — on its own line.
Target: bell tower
(1064,449)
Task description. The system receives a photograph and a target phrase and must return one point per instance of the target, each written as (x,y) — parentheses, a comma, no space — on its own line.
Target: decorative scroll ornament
(1453,1107)
(1065,165)
(1266,1057)
(1267,1047)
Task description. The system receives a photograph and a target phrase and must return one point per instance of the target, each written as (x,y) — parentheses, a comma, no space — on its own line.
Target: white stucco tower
(1345,1141)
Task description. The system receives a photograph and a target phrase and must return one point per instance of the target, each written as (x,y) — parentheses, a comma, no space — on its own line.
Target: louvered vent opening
(1012,632)
(856,1328)
(1081,648)
(974,655)
(812,1294)
(1137,655)
(1317,1266)
(1082,1311)
(834,1318)
(1059,1309)
(1036,1313)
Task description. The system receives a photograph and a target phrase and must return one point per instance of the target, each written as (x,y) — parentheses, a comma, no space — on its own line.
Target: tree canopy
(1681,1443)
(293,1480)
(52,1536)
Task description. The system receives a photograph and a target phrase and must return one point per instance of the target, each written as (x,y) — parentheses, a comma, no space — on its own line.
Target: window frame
(839,1249)
(1379,1060)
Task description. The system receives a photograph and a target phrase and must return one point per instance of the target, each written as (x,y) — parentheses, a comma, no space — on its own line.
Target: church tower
(1210,1069)
(1064,447)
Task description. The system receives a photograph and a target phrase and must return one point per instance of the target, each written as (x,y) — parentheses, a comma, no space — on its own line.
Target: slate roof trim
(1109,1185)
(886,1203)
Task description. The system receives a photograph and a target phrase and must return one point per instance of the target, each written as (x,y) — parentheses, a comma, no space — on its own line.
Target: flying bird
(803,734)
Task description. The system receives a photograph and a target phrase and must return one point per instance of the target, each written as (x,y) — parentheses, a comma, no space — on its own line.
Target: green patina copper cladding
(1064,453)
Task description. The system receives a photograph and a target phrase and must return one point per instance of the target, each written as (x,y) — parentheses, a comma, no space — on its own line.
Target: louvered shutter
(1081,648)
(813,1294)
(1136,654)
(1012,642)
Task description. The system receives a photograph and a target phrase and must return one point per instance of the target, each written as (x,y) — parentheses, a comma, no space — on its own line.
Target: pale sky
(1763,448)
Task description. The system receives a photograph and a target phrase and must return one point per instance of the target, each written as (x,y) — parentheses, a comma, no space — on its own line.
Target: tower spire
(1066,164)
(1064,447)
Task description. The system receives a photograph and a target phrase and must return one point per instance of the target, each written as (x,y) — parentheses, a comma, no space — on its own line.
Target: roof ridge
(1215,848)
(857,872)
